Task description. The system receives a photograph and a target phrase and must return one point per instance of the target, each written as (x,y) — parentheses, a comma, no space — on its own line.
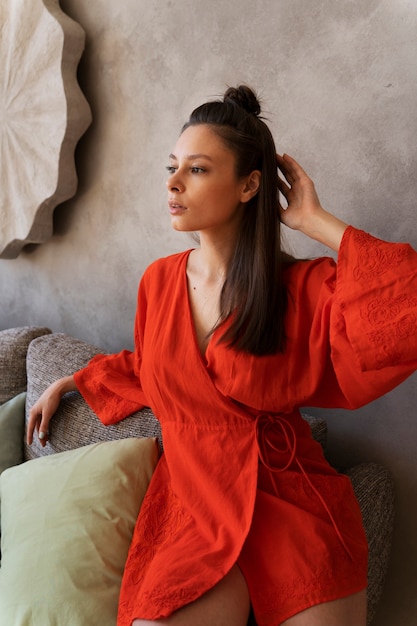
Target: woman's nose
(173,183)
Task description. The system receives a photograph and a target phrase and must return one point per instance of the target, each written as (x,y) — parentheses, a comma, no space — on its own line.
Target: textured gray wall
(339,84)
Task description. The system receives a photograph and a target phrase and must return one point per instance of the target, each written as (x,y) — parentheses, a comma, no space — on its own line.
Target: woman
(231,339)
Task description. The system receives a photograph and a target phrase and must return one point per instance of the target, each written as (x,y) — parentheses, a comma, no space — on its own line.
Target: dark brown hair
(253,292)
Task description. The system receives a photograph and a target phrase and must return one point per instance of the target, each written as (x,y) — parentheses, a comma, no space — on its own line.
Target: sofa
(68,509)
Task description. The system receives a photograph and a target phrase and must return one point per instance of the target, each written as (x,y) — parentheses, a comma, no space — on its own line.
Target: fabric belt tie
(265,425)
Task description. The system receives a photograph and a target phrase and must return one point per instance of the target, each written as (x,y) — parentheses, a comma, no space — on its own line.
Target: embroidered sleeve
(110,384)
(377,294)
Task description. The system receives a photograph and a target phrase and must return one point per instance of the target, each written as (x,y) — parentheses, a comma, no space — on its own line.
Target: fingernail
(41,435)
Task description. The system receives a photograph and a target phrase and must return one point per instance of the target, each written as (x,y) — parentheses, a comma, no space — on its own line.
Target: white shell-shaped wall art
(43,114)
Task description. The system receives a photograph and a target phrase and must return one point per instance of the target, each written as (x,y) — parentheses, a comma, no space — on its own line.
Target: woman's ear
(251,186)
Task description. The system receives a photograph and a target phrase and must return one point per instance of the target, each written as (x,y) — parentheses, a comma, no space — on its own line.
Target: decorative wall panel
(43,113)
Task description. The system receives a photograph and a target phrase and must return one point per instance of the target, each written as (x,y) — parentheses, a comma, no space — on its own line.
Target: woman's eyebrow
(191,157)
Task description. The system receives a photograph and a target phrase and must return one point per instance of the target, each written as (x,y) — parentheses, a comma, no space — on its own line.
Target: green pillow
(67,523)
(12,428)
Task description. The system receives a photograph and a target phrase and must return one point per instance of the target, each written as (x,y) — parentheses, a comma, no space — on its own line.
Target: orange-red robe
(241,479)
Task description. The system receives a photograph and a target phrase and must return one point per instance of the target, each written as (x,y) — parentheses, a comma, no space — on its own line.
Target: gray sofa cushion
(14,344)
(318,427)
(374,489)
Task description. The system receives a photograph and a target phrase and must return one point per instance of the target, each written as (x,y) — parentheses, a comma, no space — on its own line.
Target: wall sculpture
(43,113)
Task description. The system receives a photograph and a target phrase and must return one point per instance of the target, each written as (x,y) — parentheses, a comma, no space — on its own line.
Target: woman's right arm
(45,407)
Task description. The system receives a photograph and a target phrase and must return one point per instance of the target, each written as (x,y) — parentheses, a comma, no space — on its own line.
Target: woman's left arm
(304,211)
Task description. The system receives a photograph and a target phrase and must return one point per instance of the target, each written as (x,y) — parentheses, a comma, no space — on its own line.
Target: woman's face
(204,193)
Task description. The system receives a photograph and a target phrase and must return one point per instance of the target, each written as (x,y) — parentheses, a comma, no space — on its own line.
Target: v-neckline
(202,356)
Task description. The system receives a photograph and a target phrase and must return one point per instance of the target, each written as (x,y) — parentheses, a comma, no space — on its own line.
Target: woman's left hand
(304,211)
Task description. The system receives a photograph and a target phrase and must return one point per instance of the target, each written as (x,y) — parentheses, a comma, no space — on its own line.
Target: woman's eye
(171,169)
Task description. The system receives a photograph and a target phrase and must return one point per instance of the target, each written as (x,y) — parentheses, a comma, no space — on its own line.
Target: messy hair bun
(243,97)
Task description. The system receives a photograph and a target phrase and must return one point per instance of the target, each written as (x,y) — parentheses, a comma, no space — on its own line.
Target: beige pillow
(67,522)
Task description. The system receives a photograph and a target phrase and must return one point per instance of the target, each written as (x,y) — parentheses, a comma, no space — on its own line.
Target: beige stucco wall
(339,84)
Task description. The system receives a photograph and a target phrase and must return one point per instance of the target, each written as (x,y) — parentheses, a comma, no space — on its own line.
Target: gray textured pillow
(374,490)
(74,424)
(318,427)
(14,344)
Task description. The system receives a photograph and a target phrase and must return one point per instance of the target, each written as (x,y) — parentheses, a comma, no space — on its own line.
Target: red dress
(241,479)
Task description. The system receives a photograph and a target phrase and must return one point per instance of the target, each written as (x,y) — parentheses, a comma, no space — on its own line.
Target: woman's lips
(175,208)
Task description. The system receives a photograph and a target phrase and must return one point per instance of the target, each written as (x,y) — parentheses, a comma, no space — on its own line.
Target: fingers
(283,187)
(287,180)
(43,432)
(37,423)
(281,213)
(290,165)
(291,169)
(285,190)
(32,425)
(285,167)
(289,172)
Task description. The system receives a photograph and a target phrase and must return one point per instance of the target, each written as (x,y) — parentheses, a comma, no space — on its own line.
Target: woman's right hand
(45,407)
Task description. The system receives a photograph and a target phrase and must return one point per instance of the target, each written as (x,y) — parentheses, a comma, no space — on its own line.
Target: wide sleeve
(110,384)
(373,317)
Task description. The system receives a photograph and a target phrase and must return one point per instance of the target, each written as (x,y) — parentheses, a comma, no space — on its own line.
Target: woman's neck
(211,259)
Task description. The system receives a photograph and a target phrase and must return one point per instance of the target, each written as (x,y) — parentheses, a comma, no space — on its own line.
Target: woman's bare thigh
(347,611)
(227,604)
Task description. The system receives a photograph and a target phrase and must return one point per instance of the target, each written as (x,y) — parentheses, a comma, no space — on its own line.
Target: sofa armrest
(74,424)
